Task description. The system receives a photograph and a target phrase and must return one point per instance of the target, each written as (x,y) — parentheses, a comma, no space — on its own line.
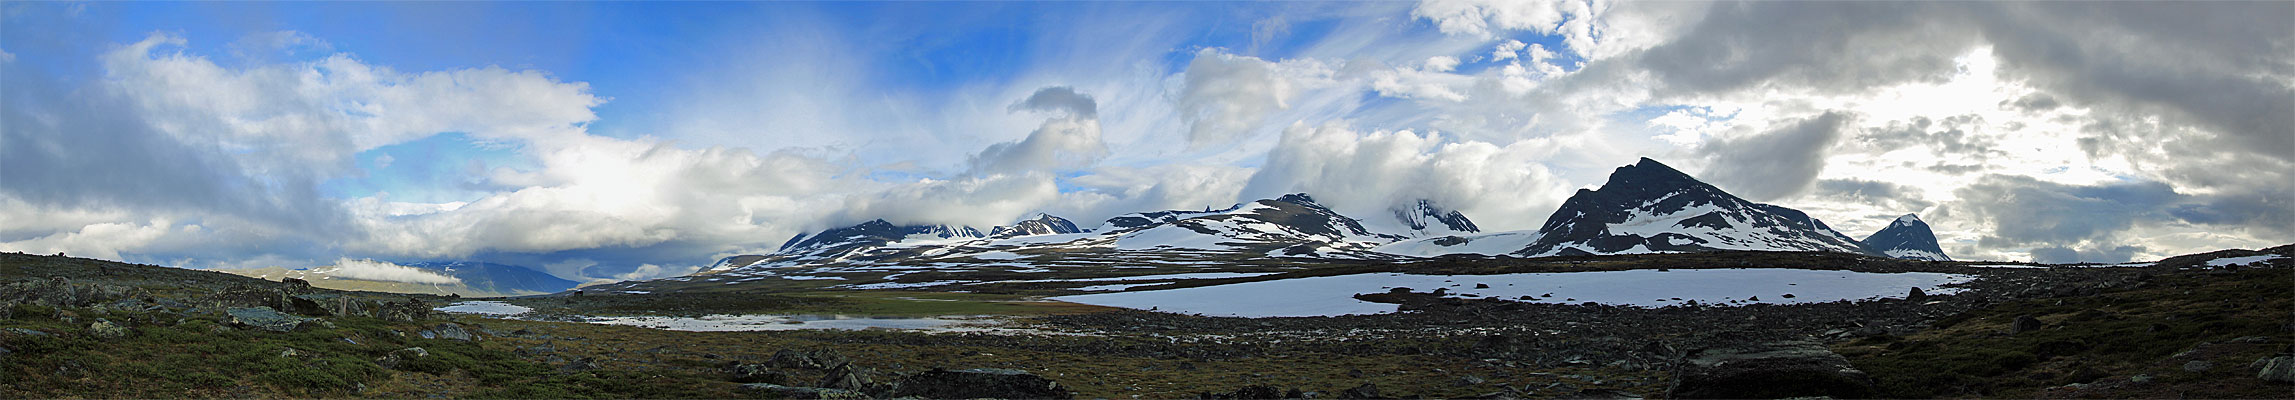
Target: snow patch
(484,308)
(1333,295)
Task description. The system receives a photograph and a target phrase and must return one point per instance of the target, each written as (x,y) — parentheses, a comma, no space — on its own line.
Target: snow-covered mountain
(1288,226)
(1644,208)
(1650,207)
(1426,219)
(1043,224)
(1292,225)
(1907,238)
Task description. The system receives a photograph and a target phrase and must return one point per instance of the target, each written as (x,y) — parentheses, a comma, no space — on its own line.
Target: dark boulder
(2024,323)
(981,383)
(1768,371)
(1366,391)
(757,373)
(807,359)
(852,377)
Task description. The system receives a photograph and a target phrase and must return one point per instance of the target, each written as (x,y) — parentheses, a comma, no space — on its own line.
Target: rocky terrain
(2191,326)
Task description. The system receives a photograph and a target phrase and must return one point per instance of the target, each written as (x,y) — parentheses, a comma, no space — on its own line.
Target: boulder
(1365,391)
(980,383)
(1768,371)
(2024,323)
(1916,295)
(266,319)
(449,331)
(791,392)
(106,330)
(1249,392)
(399,357)
(2279,369)
(756,373)
(807,359)
(852,377)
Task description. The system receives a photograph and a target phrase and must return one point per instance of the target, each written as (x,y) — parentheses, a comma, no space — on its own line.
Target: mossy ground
(2226,320)
(199,357)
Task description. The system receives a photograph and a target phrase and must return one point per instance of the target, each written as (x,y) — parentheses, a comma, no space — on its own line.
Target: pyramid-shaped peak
(1909,219)
(1647,172)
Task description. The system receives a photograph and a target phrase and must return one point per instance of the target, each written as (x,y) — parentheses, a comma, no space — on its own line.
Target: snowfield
(725,323)
(1333,295)
(2230,261)
(484,308)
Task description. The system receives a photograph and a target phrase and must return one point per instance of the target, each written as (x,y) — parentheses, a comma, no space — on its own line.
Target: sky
(632,140)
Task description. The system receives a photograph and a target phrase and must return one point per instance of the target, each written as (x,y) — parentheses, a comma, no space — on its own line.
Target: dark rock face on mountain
(1141,219)
(1043,224)
(945,231)
(872,233)
(1907,238)
(1425,215)
(498,278)
(1650,207)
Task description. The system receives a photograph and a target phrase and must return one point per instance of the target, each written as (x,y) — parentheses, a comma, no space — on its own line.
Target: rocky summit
(1650,207)
(1907,238)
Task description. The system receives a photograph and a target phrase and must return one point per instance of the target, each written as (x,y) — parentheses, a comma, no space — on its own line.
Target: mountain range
(1646,207)
(469,278)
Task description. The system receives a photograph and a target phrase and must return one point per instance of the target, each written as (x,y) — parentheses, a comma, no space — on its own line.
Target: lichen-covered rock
(1770,370)
(400,357)
(981,383)
(449,331)
(105,329)
(807,359)
(266,318)
(2279,369)
(791,392)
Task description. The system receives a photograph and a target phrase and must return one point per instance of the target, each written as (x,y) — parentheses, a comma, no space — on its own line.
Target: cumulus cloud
(974,201)
(1366,174)
(371,270)
(1068,141)
(1227,96)
(1776,164)
(1572,19)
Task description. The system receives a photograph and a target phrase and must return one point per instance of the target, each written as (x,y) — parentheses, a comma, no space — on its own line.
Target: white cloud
(1366,174)
(1571,19)
(1228,97)
(1068,141)
(371,270)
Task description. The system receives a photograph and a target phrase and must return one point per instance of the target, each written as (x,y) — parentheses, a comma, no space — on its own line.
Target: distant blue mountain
(499,278)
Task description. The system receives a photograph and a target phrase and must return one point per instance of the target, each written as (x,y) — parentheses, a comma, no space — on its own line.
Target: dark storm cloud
(1774,164)
(1885,195)
(1950,137)
(2101,254)
(2023,210)
(2223,67)
(1826,46)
